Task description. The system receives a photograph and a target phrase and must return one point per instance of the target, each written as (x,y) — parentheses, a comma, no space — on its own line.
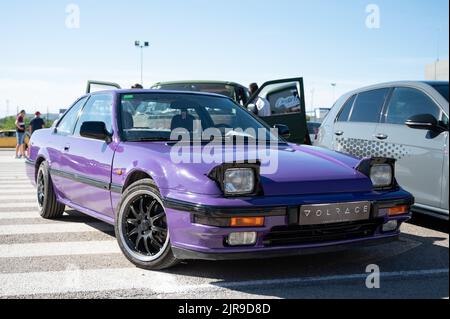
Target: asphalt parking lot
(77,257)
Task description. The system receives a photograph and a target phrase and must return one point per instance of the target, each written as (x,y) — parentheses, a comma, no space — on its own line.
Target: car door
(355,126)
(88,162)
(420,153)
(287,103)
(56,147)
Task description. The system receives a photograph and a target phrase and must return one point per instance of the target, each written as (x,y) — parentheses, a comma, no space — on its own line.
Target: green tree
(8,123)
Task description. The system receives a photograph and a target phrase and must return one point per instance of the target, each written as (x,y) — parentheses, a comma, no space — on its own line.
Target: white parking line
(19,215)
(18,205)
(21,197)
(16,191)
(53,228)
(59,249)
(132,278)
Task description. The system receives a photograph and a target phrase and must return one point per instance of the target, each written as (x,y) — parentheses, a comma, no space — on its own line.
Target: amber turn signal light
(398,210)
(247,221)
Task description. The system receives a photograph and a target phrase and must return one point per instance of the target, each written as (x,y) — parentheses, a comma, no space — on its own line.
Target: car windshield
(217,88)
(443,89)
(155,116)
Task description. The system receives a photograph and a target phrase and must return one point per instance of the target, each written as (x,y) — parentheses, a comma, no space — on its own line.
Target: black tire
(49,207)
(144,192)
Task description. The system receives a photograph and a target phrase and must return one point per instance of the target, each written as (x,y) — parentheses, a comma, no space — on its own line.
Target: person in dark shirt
(37,123)
(20,133)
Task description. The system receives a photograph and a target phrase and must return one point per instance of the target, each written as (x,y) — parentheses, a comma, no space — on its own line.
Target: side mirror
(283,130)
(96,131)
(424,122)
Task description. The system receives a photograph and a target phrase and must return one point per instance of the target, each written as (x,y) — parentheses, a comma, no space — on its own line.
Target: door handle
(381,136)
(339,133)
(66,148)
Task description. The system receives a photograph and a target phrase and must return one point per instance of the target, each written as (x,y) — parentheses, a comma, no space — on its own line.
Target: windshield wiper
(151,139)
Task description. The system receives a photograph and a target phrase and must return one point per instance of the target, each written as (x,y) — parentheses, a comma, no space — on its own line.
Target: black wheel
(49,207)
(141,227)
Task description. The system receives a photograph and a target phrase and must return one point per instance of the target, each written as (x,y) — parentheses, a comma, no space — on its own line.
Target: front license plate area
(334,213)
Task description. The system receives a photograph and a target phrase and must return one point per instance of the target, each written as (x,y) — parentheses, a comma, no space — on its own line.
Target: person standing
(20,132)
(37,123)
(262,104)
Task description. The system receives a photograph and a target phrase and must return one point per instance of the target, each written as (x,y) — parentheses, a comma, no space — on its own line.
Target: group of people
(35,124)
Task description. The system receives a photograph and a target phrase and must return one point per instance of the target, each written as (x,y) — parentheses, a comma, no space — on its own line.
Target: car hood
(300,170)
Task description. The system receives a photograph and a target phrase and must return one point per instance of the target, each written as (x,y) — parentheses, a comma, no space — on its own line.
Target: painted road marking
(59,249)
(17,205)
(53,228)
(21,197)
(74,280)
(19,215)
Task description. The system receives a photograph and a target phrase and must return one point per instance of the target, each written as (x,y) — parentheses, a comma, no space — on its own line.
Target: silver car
(407,121)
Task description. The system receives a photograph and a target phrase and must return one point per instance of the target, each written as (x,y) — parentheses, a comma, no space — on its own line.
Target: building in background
(437,71)
(318,114)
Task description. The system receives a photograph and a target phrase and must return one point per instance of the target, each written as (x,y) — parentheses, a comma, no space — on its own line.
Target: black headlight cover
(365,166)
(217,174)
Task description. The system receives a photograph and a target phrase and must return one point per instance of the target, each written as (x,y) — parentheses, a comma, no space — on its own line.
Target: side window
(407,102)
(68,122)
(345,113)
(444,120)
(283,98)
(368,106)
(97,109)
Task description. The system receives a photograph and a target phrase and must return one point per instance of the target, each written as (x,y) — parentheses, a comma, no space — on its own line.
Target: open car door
(101,86)
(287,103)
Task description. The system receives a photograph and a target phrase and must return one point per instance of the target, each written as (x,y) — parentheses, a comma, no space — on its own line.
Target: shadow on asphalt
(430,222)
(411,253)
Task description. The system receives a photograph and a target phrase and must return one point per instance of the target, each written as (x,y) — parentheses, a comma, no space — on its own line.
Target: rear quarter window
(368,106)
(346,109)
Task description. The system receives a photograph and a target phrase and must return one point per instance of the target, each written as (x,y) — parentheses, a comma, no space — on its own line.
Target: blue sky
(44,64)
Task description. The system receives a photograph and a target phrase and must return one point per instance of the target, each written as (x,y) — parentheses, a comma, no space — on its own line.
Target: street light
(142,46)
(334,91)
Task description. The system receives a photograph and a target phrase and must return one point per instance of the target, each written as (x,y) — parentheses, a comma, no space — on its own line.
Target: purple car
(113,156)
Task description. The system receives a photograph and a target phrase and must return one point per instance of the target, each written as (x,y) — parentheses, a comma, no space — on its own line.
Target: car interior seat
(183,121)
(127,120)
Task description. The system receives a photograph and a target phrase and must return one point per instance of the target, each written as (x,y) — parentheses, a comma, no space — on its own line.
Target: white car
(407,121)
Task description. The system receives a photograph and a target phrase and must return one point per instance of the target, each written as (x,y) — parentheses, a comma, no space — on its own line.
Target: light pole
(7,108)
(142,46)
(334,91)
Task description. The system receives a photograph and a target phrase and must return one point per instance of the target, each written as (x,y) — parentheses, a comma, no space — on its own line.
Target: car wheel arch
(134,177)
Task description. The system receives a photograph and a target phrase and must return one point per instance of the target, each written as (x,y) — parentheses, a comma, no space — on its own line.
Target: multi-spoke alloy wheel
(40,189)
(142,229)
(145,226)
(49,207)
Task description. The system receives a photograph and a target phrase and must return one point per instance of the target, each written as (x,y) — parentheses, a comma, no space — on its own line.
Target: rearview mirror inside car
(283,131)
(252,108)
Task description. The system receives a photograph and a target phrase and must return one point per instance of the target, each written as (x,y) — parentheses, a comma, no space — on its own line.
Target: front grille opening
(298,235)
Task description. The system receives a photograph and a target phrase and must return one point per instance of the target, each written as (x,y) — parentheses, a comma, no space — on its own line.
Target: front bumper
(192,240)
(186,254)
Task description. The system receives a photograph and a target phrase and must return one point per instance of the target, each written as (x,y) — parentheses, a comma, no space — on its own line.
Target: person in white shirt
(262,104)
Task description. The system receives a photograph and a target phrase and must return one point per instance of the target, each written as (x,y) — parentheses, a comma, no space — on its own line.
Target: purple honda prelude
(195,176)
